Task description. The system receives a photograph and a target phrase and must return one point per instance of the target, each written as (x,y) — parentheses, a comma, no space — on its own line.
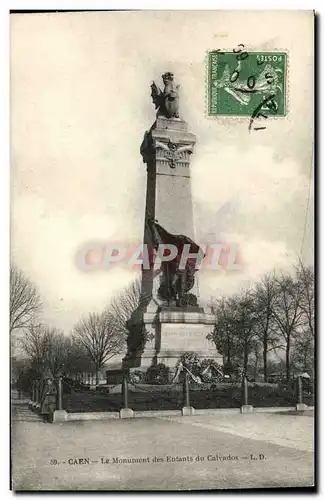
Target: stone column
(161,331)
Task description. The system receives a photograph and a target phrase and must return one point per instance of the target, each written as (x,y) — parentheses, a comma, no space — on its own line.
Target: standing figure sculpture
(166,102)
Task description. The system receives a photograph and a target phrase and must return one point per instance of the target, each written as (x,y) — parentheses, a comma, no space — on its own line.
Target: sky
(80,104)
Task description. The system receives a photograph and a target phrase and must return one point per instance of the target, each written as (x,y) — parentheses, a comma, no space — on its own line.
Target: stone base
(246,409)
(126,413)
(301,407)
(188,411)
(171,124)
(177,332)
(59,416)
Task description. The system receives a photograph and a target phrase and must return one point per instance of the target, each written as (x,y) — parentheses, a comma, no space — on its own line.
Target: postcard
(162,250)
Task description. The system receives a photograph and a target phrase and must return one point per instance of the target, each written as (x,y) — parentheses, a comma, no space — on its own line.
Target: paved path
(283,429)
(260,450)
(21,413)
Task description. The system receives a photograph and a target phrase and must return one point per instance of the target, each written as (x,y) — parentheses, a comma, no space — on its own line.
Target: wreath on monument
(206,370)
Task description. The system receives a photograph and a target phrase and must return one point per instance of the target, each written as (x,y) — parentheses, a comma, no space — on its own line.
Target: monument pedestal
(172,332)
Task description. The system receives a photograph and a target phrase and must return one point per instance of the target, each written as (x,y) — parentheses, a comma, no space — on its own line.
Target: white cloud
(250,176)
(258,257)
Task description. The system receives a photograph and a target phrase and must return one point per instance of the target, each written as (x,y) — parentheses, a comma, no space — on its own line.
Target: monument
(169,320)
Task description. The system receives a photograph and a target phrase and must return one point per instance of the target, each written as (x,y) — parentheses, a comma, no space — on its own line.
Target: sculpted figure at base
(175,282)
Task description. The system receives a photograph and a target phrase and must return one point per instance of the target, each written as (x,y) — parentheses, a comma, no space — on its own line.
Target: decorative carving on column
(173,153)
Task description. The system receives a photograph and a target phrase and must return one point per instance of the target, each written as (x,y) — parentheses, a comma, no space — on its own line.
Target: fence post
(300,406)
(246,392)
(246,408)
(187,395)
(59,415)
(125,392)
(125,412)
(299,390)
(187,410)
(59,394)
(37,392)
(32,401)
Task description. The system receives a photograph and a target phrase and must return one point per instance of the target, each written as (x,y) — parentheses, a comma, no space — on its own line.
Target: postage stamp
(243,83)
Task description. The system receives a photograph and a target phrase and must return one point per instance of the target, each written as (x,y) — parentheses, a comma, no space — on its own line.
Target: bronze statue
(175,282)
(166,102)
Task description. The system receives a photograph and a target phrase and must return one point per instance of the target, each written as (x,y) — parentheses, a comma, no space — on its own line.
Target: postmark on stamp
(244,83)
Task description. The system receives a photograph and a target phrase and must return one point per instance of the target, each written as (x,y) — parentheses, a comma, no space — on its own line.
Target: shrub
(137,377)
(158,374)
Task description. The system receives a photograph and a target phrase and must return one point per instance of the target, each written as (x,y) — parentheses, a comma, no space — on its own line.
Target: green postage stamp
(243,83)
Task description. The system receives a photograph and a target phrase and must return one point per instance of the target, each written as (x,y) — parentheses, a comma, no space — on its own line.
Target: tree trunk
(97,376)
(288,358)
(228,353)
(265,360)
(256,366)
(246,357)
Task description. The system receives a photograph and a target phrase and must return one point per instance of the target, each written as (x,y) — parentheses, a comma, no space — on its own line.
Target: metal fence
(49,396)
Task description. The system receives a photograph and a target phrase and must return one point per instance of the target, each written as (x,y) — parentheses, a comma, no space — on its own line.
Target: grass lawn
(159,399)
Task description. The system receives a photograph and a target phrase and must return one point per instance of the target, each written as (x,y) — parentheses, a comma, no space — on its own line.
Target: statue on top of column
(166,101)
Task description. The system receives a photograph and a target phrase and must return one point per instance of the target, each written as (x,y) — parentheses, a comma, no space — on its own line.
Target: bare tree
(99,337)
(56,352)
(123,306)
(127,310)
(79,361)
(24,300)
(287,313)
(305,276)
(34,343)
(244,317)
(225,334)
(302,353)
(264,298)
(235,329)
(46,348)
